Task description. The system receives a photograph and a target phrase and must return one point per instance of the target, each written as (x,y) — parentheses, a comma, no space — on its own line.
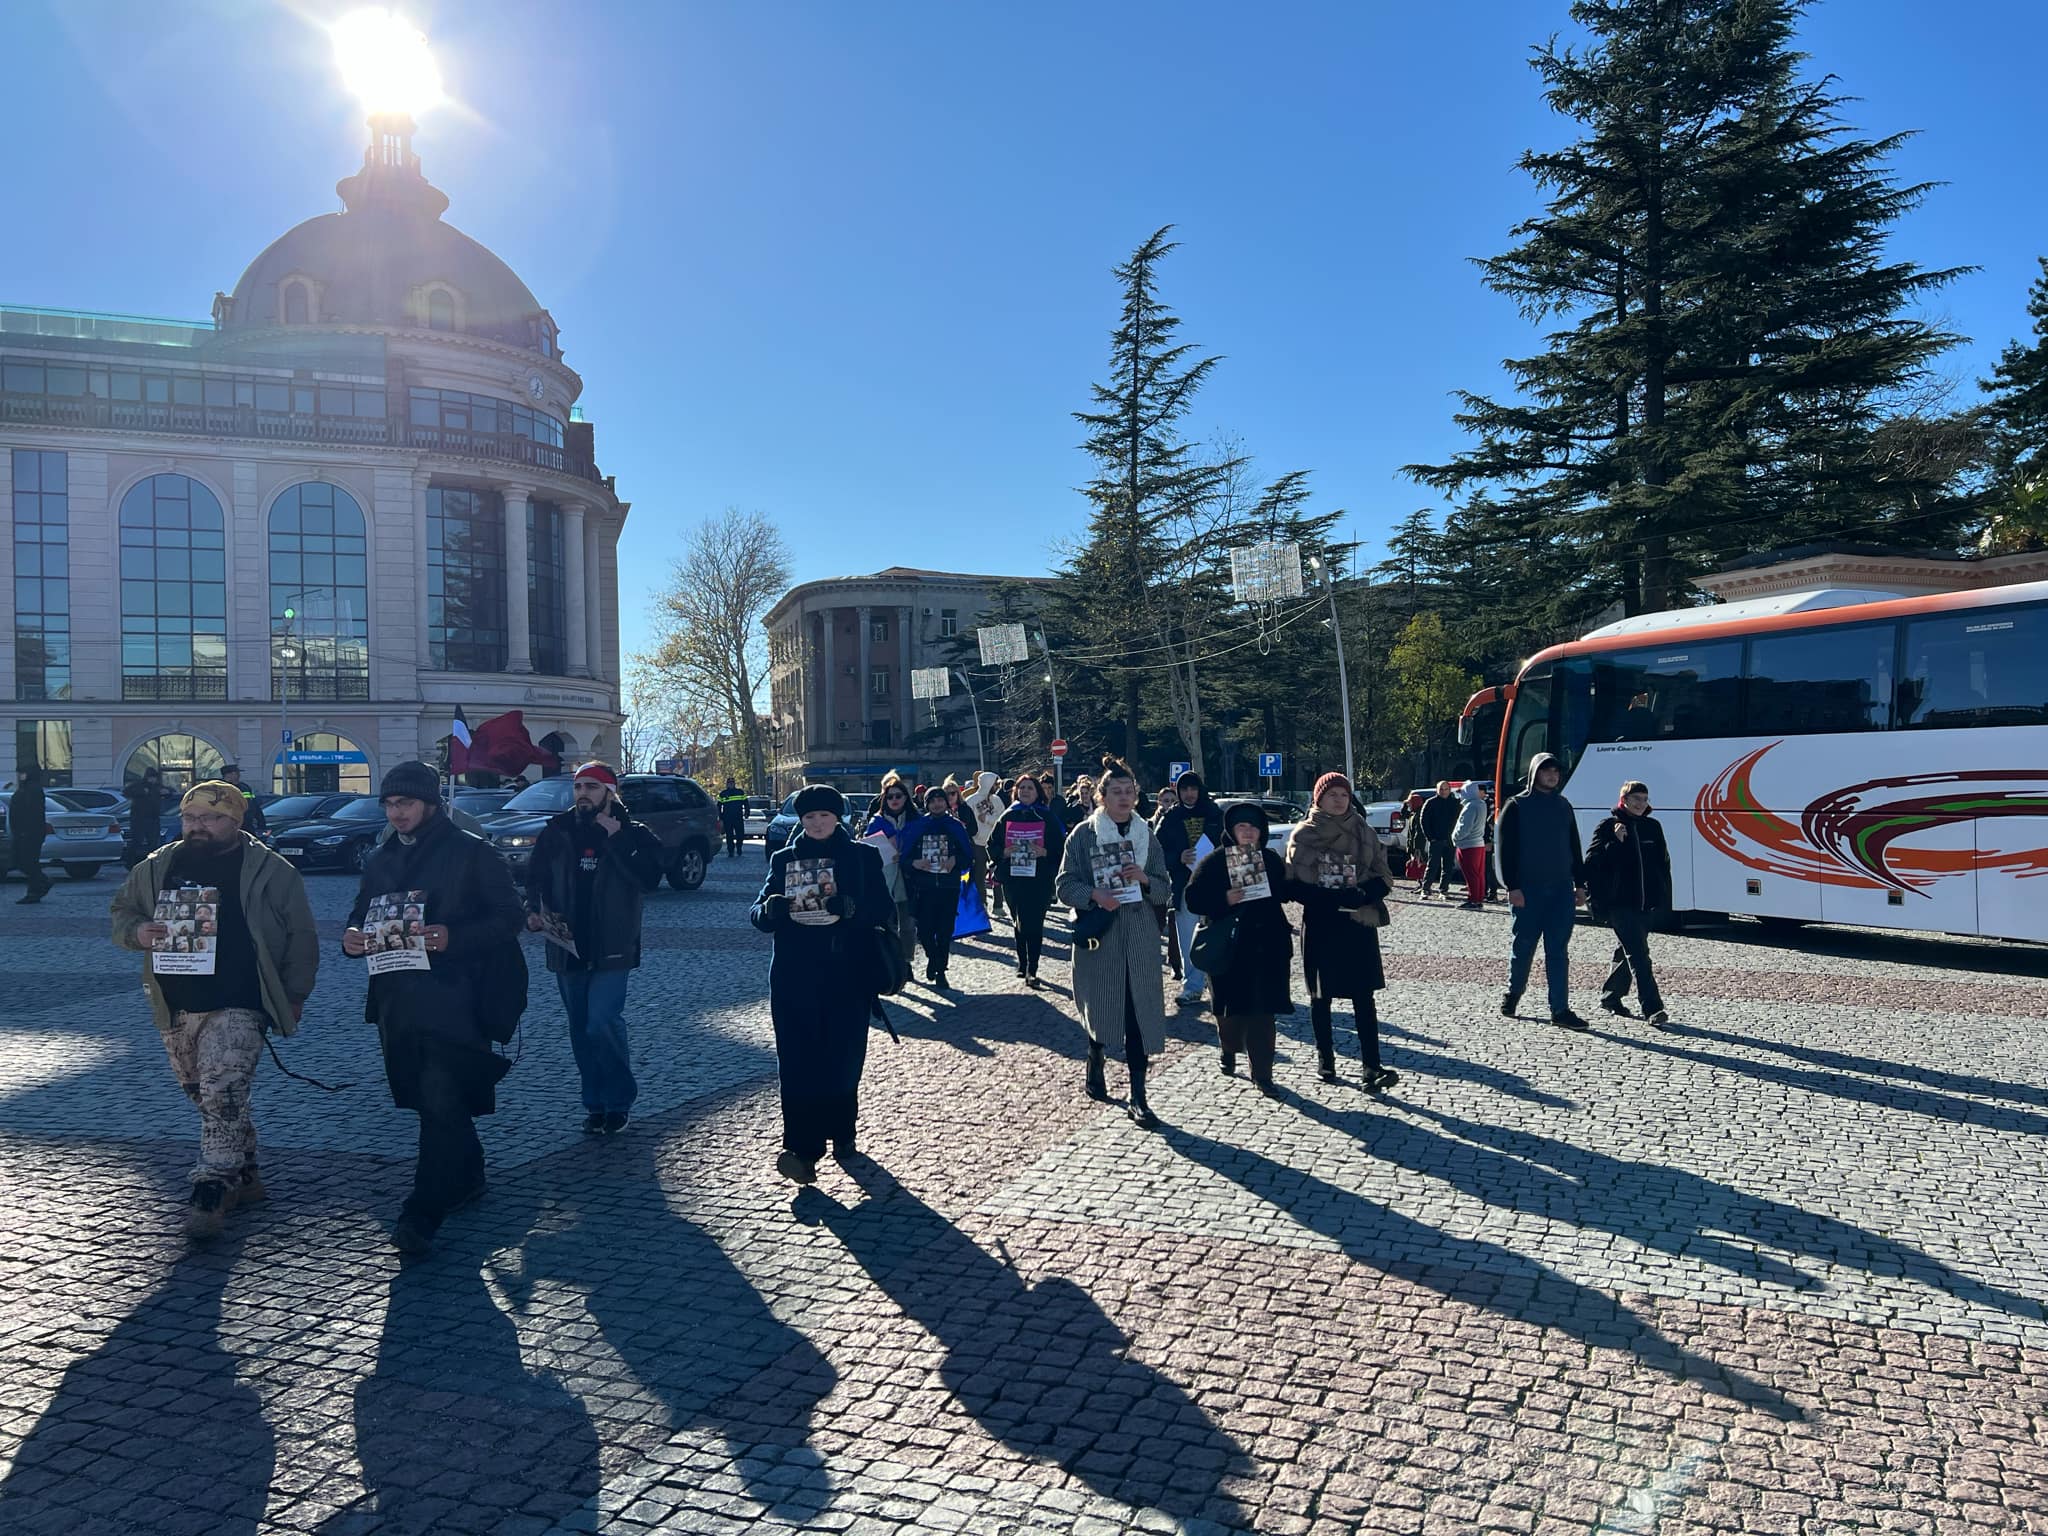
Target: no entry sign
(1059,748)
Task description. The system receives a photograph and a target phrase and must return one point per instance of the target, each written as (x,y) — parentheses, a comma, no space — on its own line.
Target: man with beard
(436,1024)
(592,865)
(265,953)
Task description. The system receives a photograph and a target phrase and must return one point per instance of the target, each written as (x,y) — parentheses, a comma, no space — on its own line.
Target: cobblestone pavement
(1780,1269)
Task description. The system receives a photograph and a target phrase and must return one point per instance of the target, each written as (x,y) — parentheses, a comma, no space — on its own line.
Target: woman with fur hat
(824,896)
(1250,995)
(1335,850)
(1116,974)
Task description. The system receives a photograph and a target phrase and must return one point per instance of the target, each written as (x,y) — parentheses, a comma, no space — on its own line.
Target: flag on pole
(458,745)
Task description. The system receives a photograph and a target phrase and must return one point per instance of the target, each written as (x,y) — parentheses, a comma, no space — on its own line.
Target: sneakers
(1660,1019)
(1033,982)
(1509,1003)
(1569,1020)
(1326,1067)
(1141,1115)
(207,1211)
(1379,1079)
(1613,1004)
(1187,999)
(1471,906)
(798,1170)
(613,1123)
(593,1124)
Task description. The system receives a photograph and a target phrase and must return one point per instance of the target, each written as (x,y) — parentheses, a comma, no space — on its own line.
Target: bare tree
(711,653)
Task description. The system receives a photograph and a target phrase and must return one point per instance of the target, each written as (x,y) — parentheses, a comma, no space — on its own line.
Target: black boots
(1139,1111)
(1098,1086)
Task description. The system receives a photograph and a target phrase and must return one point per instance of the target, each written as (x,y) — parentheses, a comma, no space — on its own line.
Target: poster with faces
(191,918)
(395,932)
(1335,874)
(1246,868)
(935,849)
(809,884)
(1024,844)
(1106,865)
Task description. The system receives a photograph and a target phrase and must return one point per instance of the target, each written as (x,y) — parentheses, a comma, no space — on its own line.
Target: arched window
(174,595)
(295,304)
(182,759)
(465,580)
(330,777)
(318,570)
(440,310)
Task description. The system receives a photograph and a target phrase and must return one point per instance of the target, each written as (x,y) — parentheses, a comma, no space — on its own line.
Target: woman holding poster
(1337,852)
(1112,866)
(1024,856)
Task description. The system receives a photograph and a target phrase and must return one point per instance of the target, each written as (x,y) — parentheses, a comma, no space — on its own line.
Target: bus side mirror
(1464,730)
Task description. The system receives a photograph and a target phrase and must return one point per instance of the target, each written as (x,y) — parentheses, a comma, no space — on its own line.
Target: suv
(676,810)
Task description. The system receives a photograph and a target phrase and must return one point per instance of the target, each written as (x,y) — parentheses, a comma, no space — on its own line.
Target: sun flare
(385,62)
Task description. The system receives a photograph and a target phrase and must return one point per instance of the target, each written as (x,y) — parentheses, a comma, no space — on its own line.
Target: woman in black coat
(1030,894)
(820,991)
(1255,989)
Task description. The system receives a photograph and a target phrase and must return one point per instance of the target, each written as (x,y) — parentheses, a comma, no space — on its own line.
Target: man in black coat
(435,1022)
(1439,819)
(146,815)
(592,866)
(1180,829)
(1628,878)
(28,823)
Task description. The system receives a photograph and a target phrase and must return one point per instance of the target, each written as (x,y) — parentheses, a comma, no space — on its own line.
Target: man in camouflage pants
(232,952)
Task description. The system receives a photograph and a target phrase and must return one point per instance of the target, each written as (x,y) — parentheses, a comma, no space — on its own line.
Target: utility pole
(1059,764)
(1343,677)
(285,654)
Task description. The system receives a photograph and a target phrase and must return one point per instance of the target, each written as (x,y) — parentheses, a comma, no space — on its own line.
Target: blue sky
(848,264)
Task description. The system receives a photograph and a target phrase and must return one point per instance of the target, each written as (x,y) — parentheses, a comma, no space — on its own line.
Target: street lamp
(1329,585)
(1059,764)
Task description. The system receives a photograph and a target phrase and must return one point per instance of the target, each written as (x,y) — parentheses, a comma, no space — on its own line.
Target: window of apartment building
(465,580)
(42,579)
(319,570)
(878,733)
(949,621)
(547,589)
(878,631)
(174,594)
(878,682)
(44,744)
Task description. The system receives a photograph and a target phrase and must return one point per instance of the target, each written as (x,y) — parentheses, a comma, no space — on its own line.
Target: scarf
(1323,835)
(1140,835)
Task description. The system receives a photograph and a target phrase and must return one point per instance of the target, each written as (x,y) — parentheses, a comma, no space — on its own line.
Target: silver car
(80,840)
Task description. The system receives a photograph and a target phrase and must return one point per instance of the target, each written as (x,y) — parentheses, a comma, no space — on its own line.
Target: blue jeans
(1545,915)
(1184,925)
(596,1004)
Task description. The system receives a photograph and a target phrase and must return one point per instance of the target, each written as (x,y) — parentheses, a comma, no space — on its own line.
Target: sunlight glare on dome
(385,62)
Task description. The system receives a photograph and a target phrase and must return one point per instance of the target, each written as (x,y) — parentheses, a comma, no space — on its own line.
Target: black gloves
(776,910)
(1377,889)
(1351,898)
(839,904)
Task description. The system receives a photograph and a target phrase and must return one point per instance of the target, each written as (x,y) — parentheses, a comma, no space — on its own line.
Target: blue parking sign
(1269,765)
(1175,770)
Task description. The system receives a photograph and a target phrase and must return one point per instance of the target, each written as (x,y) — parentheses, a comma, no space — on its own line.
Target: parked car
(781,826)
(483,804)
(290,811)
(1386,817)
(344,840)
(1281,816)
(760,808)
(80,840)
(677,810)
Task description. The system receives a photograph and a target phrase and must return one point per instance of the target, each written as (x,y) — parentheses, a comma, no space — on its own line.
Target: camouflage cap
(217,796)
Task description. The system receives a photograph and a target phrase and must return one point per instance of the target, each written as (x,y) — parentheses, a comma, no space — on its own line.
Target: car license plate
(291,850)
(78,831)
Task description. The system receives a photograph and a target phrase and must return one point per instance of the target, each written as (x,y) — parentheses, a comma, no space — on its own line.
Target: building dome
(388,260)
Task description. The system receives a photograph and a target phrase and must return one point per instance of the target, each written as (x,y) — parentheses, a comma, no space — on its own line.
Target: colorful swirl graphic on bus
(1854,836)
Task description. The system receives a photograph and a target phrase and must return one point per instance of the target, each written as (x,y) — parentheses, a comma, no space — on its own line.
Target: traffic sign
(1175,770)
(287,735)
(1059,747)
(1269,765)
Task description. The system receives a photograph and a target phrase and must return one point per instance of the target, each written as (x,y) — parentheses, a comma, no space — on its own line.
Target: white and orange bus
(1835,756)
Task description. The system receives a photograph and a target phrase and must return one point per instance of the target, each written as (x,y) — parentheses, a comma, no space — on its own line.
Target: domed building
(303,536)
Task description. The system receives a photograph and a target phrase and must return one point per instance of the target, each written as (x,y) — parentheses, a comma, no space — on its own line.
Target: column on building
(576,600)
(422,483)
(600,554)
(518,629)
(906,705)
(865,680)
(830,719)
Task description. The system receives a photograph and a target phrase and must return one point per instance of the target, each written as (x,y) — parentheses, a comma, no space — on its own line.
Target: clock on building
(537,387)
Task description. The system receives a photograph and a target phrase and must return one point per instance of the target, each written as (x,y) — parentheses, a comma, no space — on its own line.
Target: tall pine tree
(2018,387)
(1728,330)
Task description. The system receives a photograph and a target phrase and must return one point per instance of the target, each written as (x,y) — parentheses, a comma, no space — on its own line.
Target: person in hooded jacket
(1249,996)
(979,807)
(593,865)
(1628,886)
(892,811)
(431,1023)
(1336,850)
(1545,873)
(1028,819)
(1188,818)
(1468,837)
(820,987)
(1116,974)
(935,852)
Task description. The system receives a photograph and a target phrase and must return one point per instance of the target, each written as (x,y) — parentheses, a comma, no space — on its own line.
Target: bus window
(1979,668)
(1808,682)
(1528,731)
(1680,691)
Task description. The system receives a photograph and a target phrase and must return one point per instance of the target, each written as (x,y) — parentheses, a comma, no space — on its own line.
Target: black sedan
(344,840)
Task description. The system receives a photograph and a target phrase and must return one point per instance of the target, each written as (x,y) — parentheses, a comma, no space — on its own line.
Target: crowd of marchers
(1190,890)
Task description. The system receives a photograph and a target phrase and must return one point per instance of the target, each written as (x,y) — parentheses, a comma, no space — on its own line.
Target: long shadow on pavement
(1466,1270)
(1849,1061)
(152,1431)
(1042,1368)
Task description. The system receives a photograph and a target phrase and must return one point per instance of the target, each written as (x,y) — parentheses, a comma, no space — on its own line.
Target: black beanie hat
(414,779)
(820,797)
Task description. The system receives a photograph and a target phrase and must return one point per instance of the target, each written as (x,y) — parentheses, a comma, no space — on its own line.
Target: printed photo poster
(1105,866)
(1024,845)
(1336,874)
(555,929)
(935,849)
(395,932)
(1246,869)
(191,916)
(809,884)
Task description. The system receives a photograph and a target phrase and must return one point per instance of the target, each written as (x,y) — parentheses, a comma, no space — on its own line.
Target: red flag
(502,745)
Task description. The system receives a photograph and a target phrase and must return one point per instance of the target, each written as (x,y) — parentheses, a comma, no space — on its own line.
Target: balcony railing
(287,426)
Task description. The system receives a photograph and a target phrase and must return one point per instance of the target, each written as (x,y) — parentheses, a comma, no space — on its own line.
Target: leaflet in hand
(556,930)
(1335,874)
(935,850)
(809,883)
(1246,868)
(1106,866)
(395,932)
(883,844)
(1024,846)
(191,913)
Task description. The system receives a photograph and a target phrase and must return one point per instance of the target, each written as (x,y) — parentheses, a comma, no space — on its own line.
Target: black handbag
(1092,927)
(1214,944)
